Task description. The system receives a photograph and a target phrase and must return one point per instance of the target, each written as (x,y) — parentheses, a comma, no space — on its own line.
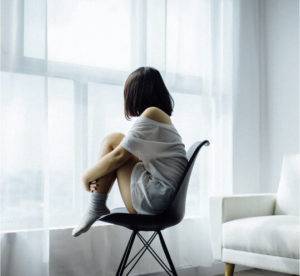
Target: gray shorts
(149,196)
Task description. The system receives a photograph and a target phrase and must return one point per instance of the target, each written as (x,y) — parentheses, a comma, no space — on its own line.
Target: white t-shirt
(159,146)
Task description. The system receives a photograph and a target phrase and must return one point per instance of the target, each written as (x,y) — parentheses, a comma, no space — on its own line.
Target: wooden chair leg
(229,269)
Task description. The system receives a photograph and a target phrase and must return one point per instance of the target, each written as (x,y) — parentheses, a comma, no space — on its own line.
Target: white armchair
(260,230)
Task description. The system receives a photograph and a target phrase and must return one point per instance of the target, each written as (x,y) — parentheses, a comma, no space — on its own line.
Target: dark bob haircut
(145,88)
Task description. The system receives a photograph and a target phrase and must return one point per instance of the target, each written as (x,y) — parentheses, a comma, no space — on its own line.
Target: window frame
(141,11)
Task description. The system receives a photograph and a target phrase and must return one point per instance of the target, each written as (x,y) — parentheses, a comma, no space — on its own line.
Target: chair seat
(120,216)
(268,235)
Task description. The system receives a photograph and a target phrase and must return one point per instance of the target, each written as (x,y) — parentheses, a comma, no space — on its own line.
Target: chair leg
(126,254)
(229,269)
(123,264)
(163,244)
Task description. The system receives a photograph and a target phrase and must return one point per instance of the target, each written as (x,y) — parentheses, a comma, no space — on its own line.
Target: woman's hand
(93,186)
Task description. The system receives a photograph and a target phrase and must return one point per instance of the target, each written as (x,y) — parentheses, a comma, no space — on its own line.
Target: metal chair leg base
(170,270)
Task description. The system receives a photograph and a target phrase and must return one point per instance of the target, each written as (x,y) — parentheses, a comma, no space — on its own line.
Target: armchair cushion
(288,194)
(268,235)
(227,208)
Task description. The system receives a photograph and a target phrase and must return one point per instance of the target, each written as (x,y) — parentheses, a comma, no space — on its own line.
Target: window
(84,36)
(63,93)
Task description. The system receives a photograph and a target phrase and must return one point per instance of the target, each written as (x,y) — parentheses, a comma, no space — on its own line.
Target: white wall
(266,113)
(246,130)
(280,99)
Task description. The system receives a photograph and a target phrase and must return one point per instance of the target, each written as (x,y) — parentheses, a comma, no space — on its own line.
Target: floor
(254,272)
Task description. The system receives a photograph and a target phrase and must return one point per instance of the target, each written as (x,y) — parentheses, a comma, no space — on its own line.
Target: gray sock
(97,208)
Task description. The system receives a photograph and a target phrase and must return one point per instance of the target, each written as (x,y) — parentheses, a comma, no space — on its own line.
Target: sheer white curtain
(63,67)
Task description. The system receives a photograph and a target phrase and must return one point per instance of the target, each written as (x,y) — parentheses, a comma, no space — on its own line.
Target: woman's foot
(96,209)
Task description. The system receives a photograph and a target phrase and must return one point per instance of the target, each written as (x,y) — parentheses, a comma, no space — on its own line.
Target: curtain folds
(63,67)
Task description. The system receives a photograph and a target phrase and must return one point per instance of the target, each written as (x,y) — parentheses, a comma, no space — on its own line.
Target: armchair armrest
(226,208)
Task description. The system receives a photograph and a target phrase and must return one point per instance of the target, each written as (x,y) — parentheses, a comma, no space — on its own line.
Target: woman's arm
(117,157)
(107,164)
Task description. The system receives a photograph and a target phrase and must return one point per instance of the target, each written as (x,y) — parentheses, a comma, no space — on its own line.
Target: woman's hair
(144,88)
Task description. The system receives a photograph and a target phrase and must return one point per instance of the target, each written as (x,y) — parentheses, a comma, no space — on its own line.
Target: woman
(148,162)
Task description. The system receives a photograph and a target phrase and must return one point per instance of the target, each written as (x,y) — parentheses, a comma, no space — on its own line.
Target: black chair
(170,217)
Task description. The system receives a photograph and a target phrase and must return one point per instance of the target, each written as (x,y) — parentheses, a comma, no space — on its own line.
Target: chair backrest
(287,200)
(176,209)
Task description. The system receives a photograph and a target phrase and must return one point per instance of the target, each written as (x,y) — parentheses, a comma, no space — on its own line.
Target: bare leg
(124,177)
(105,183)
(97,202)
(123,174)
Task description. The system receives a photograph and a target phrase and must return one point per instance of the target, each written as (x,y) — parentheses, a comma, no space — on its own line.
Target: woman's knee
(112,140)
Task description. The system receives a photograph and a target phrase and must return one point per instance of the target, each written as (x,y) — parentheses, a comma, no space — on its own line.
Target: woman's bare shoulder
(157,114)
